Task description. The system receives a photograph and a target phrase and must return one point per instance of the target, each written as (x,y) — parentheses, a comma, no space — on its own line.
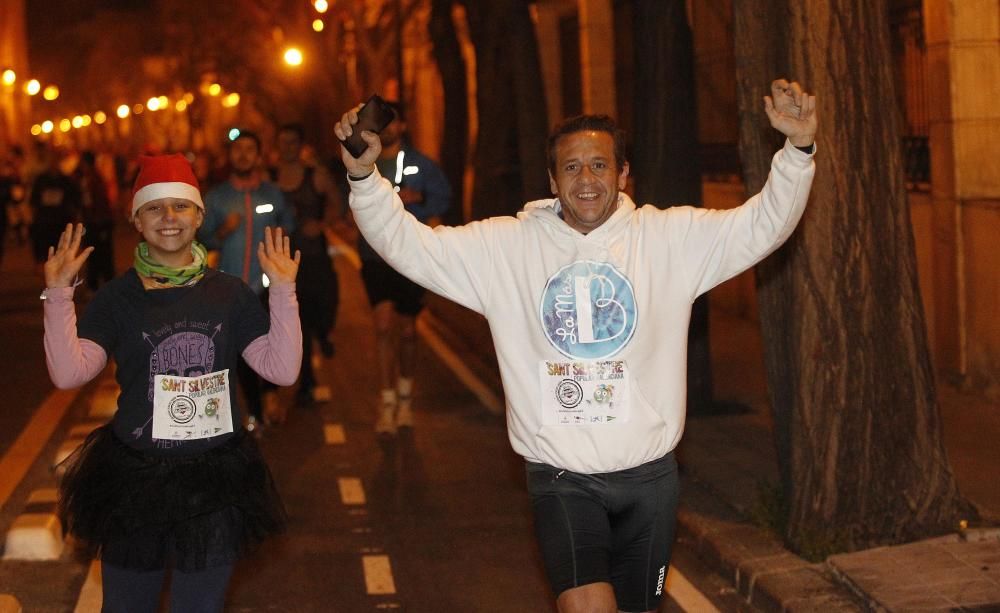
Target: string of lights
(32,87)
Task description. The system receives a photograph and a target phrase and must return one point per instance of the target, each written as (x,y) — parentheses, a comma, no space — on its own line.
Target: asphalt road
(435,521)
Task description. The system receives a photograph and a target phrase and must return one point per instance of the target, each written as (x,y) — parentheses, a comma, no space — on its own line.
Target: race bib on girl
(189,408)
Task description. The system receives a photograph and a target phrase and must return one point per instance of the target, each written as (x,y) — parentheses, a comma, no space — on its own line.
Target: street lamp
(100,117)
(47,126)
(51,92)
(318,25)
(321,6)
(122,111)
(293,57)
(32,87)
(9,76)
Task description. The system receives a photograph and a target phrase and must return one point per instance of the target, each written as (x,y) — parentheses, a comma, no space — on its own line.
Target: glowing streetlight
(231,100)
(9,76)
(293,57)
(100,117)
(234,133)
(36,129)
(87,120)
(188,98)
(32,87)
(318,25)
(77,122)
(181,105)
(122,111)
(51,92)
(164,101)
(214,89)
(47,126)
(153,104)
(321,6)
(65,125)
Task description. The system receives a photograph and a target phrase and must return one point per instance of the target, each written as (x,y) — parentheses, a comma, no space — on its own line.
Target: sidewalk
(725,460)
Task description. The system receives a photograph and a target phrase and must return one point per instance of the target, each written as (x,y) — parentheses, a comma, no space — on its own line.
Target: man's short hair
(251,135)
(587,123)
(295,128)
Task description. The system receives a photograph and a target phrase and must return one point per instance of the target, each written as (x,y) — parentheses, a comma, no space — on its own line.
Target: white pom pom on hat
(165,176)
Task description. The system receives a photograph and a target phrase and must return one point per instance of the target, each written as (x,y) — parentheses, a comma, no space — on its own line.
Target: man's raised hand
(792,112)
(364,165)
(65,260)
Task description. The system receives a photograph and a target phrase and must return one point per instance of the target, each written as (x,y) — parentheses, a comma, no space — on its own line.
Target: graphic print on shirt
(184,348)
(588,310)
(588,313)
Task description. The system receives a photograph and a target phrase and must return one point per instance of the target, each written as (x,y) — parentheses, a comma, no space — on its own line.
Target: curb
(36,534)
(764,573)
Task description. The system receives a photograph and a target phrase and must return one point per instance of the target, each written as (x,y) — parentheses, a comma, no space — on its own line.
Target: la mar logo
(588,310)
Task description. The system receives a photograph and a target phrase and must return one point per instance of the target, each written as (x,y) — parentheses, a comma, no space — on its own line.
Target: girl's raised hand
(65,259)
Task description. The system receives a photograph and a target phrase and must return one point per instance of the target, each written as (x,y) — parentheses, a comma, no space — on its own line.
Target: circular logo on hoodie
(588,310)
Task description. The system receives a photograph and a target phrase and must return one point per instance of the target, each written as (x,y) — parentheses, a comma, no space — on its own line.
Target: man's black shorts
(610,527)
(382,283)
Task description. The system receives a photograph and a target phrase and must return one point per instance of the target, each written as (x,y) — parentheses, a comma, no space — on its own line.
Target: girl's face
(168,226)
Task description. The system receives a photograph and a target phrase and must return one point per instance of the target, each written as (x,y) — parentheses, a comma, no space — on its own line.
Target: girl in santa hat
(173,481)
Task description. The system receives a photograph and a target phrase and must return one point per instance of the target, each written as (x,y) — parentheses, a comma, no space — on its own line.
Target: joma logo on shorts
(659,581)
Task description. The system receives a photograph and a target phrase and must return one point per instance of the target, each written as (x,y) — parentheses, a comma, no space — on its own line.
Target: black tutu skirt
(144,513)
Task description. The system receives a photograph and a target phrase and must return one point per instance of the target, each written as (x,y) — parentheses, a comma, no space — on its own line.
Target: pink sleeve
(277,356)
(70,360)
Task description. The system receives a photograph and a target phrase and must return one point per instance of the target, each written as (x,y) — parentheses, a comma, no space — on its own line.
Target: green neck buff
(169,276)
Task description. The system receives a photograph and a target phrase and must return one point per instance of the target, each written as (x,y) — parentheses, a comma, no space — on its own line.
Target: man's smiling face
(587,179)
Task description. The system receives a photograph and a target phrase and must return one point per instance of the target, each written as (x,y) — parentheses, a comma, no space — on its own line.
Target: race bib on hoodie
(584,393)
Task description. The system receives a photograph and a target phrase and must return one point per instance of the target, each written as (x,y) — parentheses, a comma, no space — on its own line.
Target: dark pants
(319,296)
(611,527)
(138,591)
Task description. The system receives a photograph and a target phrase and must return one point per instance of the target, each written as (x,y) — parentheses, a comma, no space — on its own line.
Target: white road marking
(23,453)
(451,359)
(687,595)
(91,596)
(334,434)
(351,490)
(378,575)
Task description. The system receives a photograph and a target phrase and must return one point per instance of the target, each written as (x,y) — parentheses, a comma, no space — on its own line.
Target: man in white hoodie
(588,299)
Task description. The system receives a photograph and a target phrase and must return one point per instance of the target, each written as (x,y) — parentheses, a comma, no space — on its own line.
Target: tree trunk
(857,424)
(510,162)
(455,139)
(665,154)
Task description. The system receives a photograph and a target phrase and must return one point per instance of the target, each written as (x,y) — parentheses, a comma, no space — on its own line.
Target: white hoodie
(562,305)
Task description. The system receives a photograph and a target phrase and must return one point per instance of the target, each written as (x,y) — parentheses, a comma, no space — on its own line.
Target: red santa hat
(165,176)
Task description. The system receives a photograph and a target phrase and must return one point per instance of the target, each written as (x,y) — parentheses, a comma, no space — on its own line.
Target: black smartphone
(375,115)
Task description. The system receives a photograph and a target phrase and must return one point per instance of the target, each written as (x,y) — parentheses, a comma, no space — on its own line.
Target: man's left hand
(792,112)
(275,255)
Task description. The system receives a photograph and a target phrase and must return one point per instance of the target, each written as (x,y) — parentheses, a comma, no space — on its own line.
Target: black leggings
(138,591)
